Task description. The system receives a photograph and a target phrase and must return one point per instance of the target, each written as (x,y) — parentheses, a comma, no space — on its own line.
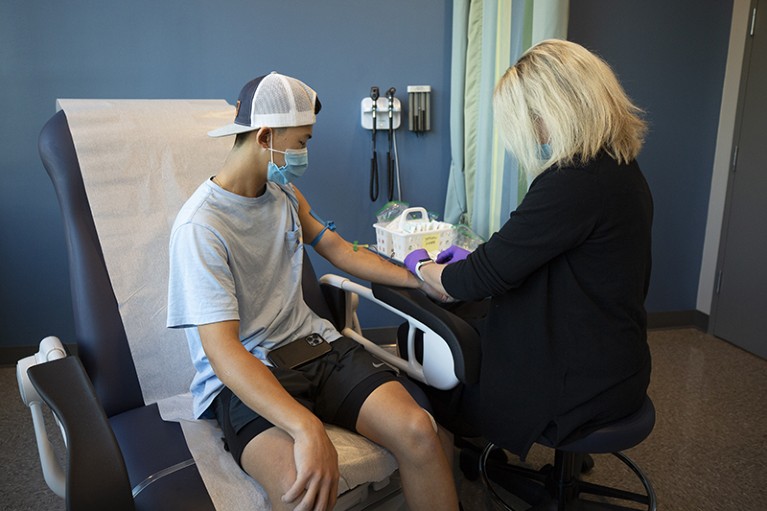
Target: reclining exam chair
(120,453)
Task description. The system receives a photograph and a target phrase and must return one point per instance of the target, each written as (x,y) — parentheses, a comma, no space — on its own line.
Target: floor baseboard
(678,319)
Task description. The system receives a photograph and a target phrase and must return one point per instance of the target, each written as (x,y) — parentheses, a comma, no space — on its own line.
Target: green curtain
(484,185)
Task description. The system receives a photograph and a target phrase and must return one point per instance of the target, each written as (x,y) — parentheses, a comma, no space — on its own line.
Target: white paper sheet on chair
(140,161)
(360,460)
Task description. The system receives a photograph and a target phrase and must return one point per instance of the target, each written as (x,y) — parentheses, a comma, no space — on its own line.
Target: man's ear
(263,136)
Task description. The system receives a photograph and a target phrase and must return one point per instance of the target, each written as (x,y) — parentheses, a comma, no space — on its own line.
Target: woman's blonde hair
(561,94)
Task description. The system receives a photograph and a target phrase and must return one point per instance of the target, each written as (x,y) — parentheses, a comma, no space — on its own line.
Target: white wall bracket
(382,113)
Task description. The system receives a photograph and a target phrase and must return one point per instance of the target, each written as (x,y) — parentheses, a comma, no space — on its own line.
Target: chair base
(559,487)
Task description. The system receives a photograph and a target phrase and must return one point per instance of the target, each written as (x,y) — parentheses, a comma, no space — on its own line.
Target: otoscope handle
(374,177)
(390,96)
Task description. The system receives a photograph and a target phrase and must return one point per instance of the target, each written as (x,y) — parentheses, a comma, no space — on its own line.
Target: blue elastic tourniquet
(328,225)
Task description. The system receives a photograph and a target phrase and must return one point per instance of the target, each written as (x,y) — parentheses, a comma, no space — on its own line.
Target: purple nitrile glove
(452,255)
(415,257)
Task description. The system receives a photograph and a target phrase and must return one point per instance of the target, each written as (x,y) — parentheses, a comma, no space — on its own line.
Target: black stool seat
(617,436)
(559,487)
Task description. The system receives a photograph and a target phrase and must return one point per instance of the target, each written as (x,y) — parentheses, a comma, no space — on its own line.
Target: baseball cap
(272,100)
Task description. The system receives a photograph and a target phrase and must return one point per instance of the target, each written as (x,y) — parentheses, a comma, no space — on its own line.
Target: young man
(236,252)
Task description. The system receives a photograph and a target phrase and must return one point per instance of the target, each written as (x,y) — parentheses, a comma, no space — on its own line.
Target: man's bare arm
(246,376)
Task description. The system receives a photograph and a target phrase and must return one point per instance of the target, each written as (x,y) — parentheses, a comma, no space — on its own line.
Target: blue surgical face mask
(296,161)
(544,151)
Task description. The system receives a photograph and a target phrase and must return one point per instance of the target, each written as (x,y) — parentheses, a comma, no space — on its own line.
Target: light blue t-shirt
(238,258)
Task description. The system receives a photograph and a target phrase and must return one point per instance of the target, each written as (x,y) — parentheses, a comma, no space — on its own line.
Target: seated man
(236,251)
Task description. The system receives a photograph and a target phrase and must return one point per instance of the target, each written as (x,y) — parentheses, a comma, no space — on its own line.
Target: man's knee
(420,435)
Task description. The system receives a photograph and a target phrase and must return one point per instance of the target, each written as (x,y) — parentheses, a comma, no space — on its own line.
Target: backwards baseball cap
(275,101)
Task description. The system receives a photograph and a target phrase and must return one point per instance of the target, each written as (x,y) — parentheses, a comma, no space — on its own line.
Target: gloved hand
(452,255)
(415,257)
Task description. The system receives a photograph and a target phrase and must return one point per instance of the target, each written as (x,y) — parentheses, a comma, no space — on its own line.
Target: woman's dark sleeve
(558,213)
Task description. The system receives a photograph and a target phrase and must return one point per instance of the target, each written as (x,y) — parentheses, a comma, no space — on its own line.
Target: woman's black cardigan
(564,348)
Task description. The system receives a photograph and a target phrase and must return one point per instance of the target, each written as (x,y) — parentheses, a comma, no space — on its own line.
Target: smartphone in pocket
(299,352)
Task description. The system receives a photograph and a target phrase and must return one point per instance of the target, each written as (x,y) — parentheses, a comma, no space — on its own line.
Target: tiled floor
(709,447)
(708,450)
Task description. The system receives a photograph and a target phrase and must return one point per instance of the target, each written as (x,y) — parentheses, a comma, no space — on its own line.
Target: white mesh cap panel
(278,101)
(281,101)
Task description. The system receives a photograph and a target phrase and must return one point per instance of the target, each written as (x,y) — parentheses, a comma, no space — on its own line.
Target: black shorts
(333,387)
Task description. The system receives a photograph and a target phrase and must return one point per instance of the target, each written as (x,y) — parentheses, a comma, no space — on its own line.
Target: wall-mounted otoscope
(374,160)
(382,113)
(390,153)
(379,113)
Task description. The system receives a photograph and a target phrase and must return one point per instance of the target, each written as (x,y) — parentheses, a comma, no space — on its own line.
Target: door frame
(721,167)
(731,161)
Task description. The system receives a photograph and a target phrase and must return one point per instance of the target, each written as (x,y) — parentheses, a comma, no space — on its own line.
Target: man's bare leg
(269,459)
(391,418)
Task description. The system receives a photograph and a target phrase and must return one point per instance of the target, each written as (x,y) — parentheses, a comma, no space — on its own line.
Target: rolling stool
(559,488)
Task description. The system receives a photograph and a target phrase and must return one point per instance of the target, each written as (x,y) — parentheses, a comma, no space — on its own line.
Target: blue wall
(670,57)
(203,49)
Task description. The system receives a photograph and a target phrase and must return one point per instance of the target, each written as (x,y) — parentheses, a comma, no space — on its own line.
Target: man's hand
(316,459)
(435,294)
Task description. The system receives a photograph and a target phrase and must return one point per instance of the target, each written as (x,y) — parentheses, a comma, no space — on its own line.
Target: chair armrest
(50,349)
(96,474)
(451,348)
(462,339)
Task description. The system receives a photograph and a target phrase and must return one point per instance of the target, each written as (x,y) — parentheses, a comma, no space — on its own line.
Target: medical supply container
(412,230)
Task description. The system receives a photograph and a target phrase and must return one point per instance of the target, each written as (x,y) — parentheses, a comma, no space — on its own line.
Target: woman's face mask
(544,151)
(296,161)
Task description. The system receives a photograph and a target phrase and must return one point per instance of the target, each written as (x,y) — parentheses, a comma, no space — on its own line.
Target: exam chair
(116,445)
(120,453)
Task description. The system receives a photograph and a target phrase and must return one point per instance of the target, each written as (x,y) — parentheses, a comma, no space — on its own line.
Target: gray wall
(670,56)
(203,49)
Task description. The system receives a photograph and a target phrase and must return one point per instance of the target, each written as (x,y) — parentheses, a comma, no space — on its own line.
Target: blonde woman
(565,340)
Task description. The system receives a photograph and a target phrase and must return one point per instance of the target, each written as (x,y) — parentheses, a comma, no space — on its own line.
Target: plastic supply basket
(410,231)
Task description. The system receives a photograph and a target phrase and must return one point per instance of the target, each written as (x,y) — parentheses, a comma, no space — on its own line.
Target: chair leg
(565,481)
(486,480)
(563,484)
(649,499)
